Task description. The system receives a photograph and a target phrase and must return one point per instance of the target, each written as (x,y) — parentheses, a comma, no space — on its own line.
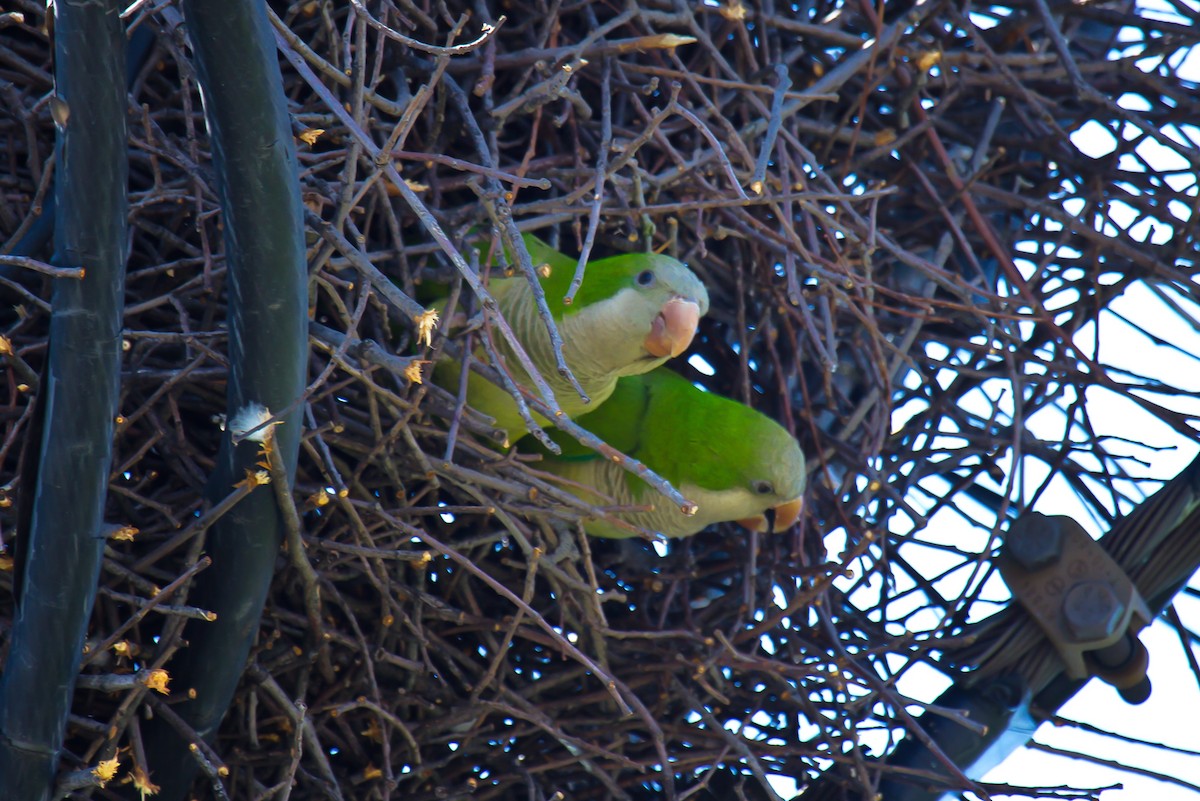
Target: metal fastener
(1092,610)
(1035,541)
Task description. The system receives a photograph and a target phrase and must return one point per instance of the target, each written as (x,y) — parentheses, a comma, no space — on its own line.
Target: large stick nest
(890,211)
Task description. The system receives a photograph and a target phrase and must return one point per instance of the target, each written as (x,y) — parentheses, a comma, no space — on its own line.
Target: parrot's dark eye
(645,278)
(763,487)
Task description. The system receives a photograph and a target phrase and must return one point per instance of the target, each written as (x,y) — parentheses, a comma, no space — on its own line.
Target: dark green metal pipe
(258,184)
(65,540)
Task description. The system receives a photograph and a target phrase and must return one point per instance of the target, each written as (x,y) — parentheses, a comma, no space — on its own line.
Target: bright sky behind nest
(1172,713)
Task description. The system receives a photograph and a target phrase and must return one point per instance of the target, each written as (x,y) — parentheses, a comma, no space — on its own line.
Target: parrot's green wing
(629,402)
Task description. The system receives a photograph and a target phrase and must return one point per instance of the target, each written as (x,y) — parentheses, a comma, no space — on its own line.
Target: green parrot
(733,462)
(632,313)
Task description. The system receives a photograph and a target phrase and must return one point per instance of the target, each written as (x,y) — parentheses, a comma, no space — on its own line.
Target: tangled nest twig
(889,213)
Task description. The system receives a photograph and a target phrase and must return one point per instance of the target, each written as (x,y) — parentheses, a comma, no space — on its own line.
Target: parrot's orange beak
(673,328)
(781,518)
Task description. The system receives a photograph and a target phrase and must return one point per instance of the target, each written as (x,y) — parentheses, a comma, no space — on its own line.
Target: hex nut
(1035,541)
(1092,610)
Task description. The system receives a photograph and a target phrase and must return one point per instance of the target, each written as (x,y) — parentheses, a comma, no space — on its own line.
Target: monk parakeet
(633,312)
(733,462)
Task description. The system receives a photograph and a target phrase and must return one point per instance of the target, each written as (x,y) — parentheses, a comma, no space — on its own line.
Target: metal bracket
(1083,602)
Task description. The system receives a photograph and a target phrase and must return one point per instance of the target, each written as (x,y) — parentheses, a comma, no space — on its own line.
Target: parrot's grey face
(650,316)
(779,499)
(672,298)
(760,508)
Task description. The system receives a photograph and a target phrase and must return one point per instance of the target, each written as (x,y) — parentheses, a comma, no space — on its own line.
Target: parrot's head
(777,482)
(652,304)
(664,292)
(733,461)
(635,310)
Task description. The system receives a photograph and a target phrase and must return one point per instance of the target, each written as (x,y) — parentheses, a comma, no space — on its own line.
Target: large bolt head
(1034,541)
(1092,610)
